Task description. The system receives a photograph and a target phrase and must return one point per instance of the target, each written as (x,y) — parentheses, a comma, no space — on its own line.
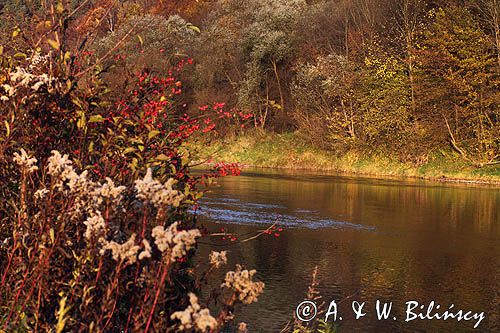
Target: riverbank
(288,151)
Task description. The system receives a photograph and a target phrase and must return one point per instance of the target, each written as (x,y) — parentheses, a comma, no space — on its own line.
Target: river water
(388,240)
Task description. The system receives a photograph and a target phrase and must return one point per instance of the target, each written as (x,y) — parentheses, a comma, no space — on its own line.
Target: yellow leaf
(129,150)
(54,44)
(162,157)
(62,315)
(20,55)
(193,27)
(77,102)
(7,126)
(59,8)
(134,163)
(52,236)
(82,121)
(96,119)
(153,133)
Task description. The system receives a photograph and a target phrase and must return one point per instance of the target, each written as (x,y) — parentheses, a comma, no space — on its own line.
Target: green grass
(290,152)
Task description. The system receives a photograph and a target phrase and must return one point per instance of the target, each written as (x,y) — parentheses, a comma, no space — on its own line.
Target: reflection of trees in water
(431,242)
(451,206)
(494,313)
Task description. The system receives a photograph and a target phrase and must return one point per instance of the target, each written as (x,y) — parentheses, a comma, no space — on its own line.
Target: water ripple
(229,210)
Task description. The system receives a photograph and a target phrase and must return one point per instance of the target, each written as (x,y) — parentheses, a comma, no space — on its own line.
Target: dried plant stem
(109,292)
(14,250)
(157,295)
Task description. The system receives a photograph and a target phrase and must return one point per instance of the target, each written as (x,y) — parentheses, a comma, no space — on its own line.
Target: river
(371,239)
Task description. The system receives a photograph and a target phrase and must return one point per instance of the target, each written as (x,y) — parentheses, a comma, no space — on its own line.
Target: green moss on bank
(290,152)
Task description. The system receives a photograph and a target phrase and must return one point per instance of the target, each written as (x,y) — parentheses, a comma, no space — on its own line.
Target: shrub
(83,255)
(96,231)
(149,41)
(327,91)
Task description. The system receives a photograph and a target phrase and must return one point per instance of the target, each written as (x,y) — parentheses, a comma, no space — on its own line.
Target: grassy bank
(290,152)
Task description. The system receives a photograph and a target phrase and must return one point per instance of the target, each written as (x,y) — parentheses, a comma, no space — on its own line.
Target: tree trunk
(412,78)
(282,100)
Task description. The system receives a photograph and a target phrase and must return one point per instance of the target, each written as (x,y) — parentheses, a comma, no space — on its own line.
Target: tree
(385,99)
(491,15)
(149,41)
(409,23)
(462,81)
(255,44)
(269,42)
(327,103)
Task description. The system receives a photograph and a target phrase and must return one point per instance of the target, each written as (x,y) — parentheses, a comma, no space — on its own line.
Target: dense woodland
(407,77)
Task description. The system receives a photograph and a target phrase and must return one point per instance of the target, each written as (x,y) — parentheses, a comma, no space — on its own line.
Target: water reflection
(372,239)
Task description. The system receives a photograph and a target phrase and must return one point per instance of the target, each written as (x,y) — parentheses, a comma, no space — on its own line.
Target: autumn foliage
(97,224)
